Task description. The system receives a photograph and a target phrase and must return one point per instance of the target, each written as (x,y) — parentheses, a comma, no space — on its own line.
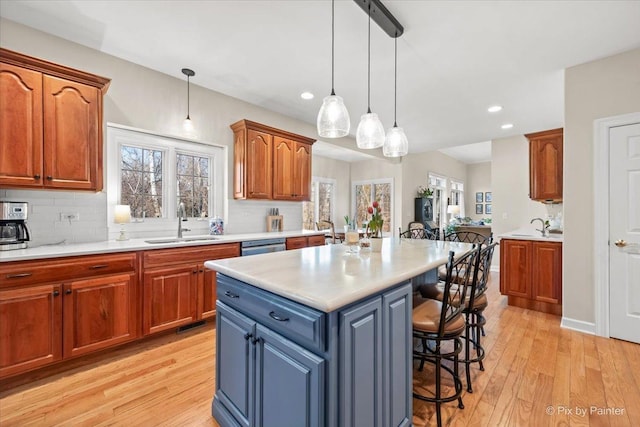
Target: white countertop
(327,277)
(532,234)
(111,246)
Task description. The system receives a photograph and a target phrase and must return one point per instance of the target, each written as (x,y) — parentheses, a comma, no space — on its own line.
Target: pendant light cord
(333,92)
(369,65)
(395,84)
(188,98)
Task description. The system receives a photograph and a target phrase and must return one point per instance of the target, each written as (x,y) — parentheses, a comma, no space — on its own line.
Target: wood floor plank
(531,365)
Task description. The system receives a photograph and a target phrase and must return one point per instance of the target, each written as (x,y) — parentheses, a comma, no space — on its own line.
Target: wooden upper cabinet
(50,125)
(270,163)
(20,126)
(545,165)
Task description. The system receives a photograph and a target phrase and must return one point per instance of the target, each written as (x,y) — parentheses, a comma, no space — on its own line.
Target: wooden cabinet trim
(248,124)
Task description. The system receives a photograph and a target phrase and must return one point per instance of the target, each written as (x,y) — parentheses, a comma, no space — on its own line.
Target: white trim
(391,197)
(601,128)
(578,325)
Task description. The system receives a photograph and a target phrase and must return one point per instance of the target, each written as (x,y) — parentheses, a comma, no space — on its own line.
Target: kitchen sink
(182,240)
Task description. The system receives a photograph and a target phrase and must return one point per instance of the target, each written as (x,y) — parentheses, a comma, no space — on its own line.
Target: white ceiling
(455,59)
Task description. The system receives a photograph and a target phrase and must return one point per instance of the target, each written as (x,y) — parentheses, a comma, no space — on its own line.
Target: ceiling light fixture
(306,95)
(333,117)
(507,126)
(188,124)
(494,108)
(370,132)
(395,143)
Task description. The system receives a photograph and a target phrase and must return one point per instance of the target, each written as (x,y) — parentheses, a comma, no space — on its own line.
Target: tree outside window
(141,181)
(193,184)
(365,194)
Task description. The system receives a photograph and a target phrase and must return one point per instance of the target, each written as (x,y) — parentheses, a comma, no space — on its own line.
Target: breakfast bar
(319,336)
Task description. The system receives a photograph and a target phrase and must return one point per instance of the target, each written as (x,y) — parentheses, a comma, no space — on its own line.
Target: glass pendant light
(395,144)
(370,132)
(188,124)
(333,117)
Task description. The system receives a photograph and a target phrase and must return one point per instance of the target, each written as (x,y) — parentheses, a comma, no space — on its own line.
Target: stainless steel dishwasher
(263,246)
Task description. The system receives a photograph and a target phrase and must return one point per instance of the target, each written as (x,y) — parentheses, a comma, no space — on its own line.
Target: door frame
(601,128)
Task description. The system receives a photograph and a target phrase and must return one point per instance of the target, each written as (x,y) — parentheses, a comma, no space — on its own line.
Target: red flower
(370,210)
(375,205)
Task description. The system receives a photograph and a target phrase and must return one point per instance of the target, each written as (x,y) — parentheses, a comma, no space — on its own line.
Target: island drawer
(291,319)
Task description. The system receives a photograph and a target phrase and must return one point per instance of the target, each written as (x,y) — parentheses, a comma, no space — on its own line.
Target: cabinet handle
(274,316)
(49,178)
(68,292)
(36,176)
(96,267)
(231,294)
(18,276)
(56,293)
(195,271)
(248,335)
(201,271)
(256,340)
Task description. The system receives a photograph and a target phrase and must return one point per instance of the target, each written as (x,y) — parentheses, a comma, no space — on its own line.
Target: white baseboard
(578,325)
(495,268)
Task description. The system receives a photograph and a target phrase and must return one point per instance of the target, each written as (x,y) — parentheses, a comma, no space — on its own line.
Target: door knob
(620,243)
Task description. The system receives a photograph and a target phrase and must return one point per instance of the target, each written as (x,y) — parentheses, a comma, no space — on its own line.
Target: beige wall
(478,180)
(415,172)
(598,89)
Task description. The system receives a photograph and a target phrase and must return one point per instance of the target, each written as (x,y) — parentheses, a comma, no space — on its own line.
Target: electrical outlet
(69,216)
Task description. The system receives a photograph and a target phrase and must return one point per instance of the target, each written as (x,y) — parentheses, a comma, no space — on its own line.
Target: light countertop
(328,277)
(112,246)
(532,234)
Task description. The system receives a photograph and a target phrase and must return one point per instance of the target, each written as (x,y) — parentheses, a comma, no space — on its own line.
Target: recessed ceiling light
(306,95)
(494,108)
(507,126)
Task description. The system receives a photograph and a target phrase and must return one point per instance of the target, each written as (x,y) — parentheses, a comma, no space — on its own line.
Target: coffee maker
(14,233)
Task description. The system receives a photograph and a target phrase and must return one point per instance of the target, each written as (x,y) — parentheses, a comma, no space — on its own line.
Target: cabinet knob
(256,340)
(49,178)
(68,292)
(36,176)
(248,335)
(56,293)
(195,271)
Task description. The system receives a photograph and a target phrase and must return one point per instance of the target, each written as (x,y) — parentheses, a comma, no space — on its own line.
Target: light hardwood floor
(533,367)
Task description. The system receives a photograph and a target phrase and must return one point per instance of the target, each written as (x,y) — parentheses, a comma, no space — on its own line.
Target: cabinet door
(302,172)
(397,361)
(545,165)
(515,268)
(360,360)
(283,173)
(259,165)
(239,170)
(206,293)
(169,298)
(20,126)
(30,328)
(547,272)
(99,313)
(318,240)
(72,123)
(236,353)
(289,383)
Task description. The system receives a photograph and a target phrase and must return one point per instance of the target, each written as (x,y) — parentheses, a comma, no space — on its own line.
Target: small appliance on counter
(14,233)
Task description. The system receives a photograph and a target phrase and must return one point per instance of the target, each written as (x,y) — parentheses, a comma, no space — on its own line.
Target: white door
(624,217)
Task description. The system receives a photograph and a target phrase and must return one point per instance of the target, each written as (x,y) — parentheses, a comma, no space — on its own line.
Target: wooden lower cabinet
(177,288)
(30,328)
(531,274)
(305,241)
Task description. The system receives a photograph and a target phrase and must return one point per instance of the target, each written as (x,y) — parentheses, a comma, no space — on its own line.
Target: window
(154,173)
(439,185)
(365,192)
(321,203)
(457,196)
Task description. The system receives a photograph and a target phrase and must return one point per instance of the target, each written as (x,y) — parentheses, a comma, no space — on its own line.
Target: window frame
(119,135)
(373,182)
(316,202)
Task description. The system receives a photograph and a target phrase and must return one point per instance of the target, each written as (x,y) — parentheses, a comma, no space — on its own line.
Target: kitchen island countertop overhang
(328,277)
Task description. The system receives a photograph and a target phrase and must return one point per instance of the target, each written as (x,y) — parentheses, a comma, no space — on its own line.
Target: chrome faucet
(181,217)
(544,226)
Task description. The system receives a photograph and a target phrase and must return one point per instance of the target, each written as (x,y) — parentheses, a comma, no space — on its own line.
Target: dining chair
(326,225)
(416,233)
(438,322)
(468,237)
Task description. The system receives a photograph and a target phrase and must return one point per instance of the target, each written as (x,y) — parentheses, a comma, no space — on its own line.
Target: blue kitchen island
(319,336)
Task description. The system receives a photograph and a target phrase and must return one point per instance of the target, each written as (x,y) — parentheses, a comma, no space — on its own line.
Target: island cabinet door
(235,364)
(289,383)
(360,365)
(397,361)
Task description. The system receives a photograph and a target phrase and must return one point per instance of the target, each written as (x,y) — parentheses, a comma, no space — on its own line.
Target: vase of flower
(376,244)
(375,227)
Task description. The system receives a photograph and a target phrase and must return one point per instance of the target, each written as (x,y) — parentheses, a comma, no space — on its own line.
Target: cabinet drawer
(296,243)
(164,257)
(58,269)
(295,321)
